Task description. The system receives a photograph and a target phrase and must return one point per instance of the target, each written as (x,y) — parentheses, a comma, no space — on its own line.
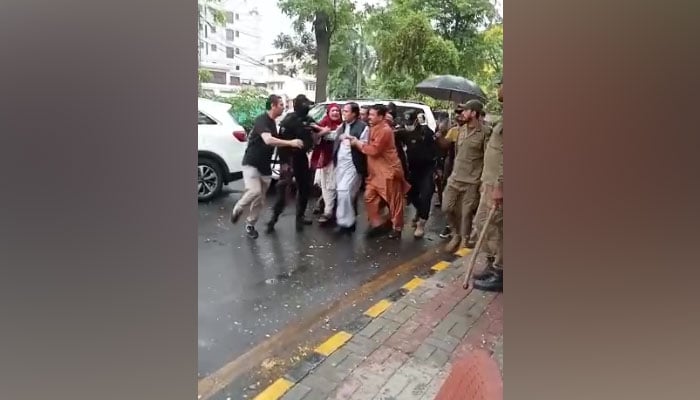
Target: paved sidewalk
(406,350)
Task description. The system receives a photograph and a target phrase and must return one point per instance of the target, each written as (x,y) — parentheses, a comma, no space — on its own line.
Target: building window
(238,67)
(235,80)
(238,34)
(229,52)
(229,34)
(279,60)
(201,45)
(270,61)
(213,29)
(229,17)
(237,15)
(310,86)
(238,51)
(218,77)
(213,48)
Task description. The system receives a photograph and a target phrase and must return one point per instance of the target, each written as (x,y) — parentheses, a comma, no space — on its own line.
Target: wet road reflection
(250,289)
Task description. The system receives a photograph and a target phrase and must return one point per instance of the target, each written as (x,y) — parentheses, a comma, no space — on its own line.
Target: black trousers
(299,174)
(422,189)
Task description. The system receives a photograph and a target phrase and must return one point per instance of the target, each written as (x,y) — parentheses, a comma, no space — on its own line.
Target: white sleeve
(364,136)
(334,134)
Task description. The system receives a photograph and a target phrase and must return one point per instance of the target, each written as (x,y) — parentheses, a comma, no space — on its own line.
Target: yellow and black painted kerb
(282,385)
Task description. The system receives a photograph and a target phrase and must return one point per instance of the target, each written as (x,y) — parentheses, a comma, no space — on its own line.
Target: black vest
(358,158)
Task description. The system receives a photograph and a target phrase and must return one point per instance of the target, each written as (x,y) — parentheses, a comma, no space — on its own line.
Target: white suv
(221,143)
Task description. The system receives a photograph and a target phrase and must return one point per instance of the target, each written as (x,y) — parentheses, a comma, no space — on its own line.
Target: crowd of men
(397,164)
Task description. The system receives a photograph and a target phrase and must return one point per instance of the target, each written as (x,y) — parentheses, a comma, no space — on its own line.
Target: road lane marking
(333,343)
(413,283)
(211,384)
(377,309)
(440,266)
(275,391)
(462,252)
(339,339)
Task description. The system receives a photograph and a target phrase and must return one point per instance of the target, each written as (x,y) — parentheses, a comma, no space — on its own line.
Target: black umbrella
(451,88)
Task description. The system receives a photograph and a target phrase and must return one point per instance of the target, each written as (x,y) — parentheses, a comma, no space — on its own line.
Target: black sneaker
(305,221)
(491,283)
(251,232)
(446,232)
(394,234)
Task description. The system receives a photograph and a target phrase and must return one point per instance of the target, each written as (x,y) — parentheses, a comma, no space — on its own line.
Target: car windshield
(319,110)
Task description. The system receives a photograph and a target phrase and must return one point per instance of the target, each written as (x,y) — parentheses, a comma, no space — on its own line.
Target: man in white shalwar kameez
(350,166)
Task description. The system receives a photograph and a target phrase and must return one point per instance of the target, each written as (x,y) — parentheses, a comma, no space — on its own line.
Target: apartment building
(230,51)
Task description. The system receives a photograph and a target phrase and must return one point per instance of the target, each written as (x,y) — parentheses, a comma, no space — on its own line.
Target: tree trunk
(323,47)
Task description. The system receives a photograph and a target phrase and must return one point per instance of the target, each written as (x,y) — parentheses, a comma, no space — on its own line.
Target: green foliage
(410,50)
(324,18)
(418,38)
(204,75)
(394,47)
(247,104)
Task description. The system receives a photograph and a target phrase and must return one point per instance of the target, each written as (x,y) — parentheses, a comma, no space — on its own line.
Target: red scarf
(323,152)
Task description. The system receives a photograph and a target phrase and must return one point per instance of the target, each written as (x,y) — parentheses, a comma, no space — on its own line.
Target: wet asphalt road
(250,289)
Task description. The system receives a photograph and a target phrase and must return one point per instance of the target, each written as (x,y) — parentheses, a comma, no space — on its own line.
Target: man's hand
(497,195)
(298,143)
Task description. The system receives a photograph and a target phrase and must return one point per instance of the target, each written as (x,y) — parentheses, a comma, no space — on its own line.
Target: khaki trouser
(256,186)
(493,240)
(459,203)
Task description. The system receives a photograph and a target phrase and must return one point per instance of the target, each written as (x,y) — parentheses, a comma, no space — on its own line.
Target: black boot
(301,222)
(270,226)
(379,230)
(488,270)
(491,283)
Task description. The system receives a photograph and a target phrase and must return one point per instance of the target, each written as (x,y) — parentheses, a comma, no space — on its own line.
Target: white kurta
(347,181)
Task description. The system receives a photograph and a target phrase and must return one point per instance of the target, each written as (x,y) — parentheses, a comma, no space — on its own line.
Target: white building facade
(231,53)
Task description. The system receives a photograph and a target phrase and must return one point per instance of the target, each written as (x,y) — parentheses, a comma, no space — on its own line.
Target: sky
(273,17)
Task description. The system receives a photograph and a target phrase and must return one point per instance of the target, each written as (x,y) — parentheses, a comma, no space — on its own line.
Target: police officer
(491,279)
(294,163)
(461,196)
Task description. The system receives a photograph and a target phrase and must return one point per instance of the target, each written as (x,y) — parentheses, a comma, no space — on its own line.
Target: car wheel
(210,179)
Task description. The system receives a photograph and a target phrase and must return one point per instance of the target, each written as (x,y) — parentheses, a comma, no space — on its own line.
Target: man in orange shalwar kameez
(385,180)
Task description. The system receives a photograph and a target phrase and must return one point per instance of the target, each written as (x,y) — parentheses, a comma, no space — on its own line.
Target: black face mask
(302,109)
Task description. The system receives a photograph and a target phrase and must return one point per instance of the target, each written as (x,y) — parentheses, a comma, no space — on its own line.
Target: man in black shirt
(294,163)
(257,160)
(421,154)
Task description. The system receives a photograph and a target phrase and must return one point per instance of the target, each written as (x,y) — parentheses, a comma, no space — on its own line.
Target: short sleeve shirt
(258,154)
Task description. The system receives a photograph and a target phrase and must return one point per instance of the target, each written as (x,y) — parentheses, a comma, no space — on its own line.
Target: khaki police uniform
(461,196)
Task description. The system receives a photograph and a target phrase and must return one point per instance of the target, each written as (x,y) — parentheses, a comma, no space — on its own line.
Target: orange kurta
(385,179)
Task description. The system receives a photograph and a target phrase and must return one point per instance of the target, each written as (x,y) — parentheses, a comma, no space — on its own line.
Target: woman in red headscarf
(322,159)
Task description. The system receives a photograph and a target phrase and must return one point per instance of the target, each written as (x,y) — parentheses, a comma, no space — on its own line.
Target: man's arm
(332,135)
(377,145)
(276,142)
